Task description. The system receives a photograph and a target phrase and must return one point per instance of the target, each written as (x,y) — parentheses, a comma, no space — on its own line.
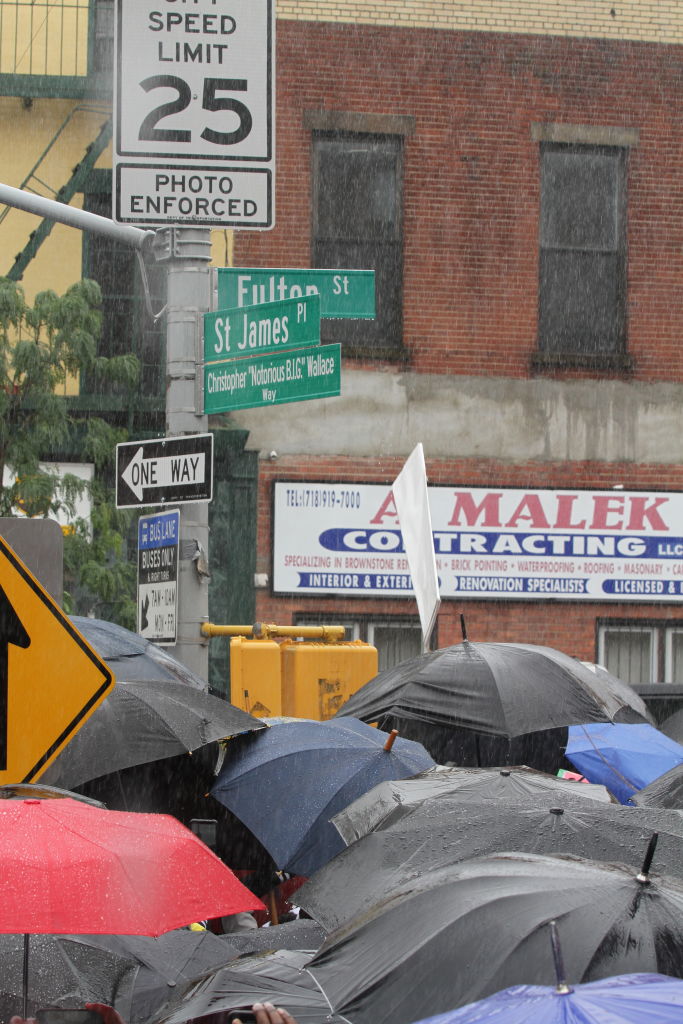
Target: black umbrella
(143,721)
(666,791)
(130,656)
(502,689)
(280,978)
(64,970)
(371,868)
(392,801)
(464,932)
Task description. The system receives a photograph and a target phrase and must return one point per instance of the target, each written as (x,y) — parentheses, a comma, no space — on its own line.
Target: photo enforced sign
(194,112)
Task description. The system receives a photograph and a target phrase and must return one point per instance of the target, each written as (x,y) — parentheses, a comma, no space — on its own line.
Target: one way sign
(171,469)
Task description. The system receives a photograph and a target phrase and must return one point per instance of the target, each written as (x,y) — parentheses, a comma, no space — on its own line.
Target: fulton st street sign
(257,330)
(343,293)
(271,380)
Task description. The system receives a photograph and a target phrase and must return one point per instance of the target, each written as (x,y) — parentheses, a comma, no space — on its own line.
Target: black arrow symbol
(11,632)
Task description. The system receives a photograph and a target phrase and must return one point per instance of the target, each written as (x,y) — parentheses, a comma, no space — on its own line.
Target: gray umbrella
(461,933)
(393,800)
(673,726)
(280,978)
(666,791)
(171,964)
(166,965)
(64,970)
(374,866)
(299,934)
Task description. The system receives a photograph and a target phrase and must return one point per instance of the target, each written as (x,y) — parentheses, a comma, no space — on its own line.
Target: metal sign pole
(187,252)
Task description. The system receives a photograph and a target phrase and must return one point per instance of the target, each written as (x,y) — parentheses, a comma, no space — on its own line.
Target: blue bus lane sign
(158,540)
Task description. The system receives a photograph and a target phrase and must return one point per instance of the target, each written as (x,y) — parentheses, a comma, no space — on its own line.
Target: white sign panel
(194,112)
(489,543)
(82,503)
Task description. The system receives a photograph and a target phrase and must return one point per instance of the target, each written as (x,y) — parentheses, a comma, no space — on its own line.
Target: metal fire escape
(79,176)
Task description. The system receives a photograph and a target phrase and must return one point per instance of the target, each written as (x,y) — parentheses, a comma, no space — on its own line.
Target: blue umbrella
(624,999)
(286,783)
(624,758)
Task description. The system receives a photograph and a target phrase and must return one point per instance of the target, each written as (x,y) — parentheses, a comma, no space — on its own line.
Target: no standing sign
(194,112)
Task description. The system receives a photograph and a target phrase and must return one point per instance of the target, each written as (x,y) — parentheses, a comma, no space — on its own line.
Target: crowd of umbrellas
(486,833)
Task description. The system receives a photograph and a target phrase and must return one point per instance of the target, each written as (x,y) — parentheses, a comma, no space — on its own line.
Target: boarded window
(357,224)
(582,284)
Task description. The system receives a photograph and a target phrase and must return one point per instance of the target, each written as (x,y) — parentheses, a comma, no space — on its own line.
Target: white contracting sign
(194,112)
(489,543)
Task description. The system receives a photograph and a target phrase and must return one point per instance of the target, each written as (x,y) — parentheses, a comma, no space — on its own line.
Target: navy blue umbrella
(286,782)
(624,758)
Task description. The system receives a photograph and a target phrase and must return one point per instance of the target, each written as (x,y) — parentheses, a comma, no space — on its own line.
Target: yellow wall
(44,37)
(658,21)
(26,133)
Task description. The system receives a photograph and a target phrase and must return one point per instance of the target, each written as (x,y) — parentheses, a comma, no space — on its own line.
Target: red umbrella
(68,867)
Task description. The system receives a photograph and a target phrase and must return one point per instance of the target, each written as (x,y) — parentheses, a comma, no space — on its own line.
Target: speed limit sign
(194,112)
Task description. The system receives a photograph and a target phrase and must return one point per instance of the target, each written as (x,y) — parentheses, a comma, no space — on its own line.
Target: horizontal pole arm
(50,209)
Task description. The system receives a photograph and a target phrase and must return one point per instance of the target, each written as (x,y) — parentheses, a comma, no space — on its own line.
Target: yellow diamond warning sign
(51,680)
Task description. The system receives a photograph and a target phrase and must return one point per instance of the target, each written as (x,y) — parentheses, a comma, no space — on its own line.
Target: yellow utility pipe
(264,630)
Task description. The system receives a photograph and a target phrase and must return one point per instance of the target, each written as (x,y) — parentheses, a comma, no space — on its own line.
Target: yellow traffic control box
(317,678)
(255,681)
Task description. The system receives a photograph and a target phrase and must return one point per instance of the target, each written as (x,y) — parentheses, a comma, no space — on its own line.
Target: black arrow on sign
(11,632)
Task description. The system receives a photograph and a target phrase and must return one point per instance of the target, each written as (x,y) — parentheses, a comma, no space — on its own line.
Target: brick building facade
(523,198)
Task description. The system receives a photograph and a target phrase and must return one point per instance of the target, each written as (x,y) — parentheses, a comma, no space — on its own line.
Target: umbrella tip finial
(390,739)
(463,627)
(643,875)
(561,987)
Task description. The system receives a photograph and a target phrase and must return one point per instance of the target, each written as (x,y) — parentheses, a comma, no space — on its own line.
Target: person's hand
(23,1020)
(108,1014)
(266,1013)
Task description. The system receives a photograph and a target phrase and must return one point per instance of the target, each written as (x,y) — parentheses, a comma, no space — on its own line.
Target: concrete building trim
(586,135)
(656,21)
(367,124)
(380,415)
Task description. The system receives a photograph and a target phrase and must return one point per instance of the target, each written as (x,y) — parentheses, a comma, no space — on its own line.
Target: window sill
(599,362)
(373,354)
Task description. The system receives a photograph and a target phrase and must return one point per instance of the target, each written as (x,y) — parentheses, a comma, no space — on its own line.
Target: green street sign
(343,293)
(256,330)
(271,380)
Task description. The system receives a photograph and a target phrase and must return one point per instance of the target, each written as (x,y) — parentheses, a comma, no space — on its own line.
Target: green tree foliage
(41,346)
